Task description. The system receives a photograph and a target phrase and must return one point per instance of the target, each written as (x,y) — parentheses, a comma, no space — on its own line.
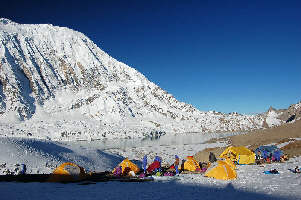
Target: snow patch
(272,119)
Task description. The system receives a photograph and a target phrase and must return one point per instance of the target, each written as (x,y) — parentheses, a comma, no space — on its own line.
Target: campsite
(150,100)
(223,177)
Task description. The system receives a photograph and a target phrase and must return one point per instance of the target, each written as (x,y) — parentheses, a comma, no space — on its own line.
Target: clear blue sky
(240,55)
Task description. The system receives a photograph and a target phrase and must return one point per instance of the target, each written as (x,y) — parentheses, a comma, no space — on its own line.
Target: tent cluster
(233,156)
(128,168)
(224,168)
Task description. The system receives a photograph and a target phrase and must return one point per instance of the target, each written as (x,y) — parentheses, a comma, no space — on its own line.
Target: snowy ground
(42,156)
(250,184)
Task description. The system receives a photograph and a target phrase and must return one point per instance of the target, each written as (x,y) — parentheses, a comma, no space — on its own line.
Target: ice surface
(272,119)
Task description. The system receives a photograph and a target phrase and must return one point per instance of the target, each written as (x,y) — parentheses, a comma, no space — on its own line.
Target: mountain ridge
(58,78)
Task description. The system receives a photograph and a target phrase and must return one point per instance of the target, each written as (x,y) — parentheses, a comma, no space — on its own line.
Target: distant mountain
(56,83)
(274,117)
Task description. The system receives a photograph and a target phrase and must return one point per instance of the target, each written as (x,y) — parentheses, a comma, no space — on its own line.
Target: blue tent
(267,151)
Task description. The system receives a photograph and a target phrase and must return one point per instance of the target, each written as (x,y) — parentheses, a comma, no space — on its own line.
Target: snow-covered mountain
(56,83)
(276,117)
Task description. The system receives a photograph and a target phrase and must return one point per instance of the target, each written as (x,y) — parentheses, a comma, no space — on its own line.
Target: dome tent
(191,164)
(239,155)
(67,172)
(127,166)
(222,171)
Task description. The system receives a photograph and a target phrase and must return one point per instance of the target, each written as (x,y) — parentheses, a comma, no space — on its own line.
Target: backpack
(168,174)
(118,171)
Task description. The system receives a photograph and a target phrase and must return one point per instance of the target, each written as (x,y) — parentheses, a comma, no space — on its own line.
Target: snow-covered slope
(56,83)
(41,156)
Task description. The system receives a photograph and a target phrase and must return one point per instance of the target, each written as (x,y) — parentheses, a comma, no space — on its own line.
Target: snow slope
(41,156)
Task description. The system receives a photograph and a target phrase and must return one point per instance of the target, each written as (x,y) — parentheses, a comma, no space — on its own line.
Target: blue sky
(241,56)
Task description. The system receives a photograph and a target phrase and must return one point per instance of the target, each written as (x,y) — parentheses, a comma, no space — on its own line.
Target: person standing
(176,164)
(144,162)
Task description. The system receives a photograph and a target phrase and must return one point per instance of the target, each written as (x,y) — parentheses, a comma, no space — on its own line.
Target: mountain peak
(271,109)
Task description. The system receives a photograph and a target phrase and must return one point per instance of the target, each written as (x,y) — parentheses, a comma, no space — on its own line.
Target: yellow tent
(230,163)
(240,155)
(222,171)
(67,172)
(127,165)
(191,164)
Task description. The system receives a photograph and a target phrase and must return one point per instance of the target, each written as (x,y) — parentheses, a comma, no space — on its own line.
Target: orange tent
(67,172)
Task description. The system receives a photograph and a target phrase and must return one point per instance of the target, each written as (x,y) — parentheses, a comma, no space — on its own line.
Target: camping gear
(222,171)
(168,174)
(274,171)
(269,152)
(190,164)
(118,171)
(277,155)
(127,166)
(142,175)
(296,170)
(153,167)
(132,173)
(240,155)
(158,173)
(203,170)
(67,172)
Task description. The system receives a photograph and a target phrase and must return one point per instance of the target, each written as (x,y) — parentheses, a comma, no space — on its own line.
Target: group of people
(156,168)
(268,157)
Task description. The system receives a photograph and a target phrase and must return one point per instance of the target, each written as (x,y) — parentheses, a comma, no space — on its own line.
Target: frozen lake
(163,140)
(42,156)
